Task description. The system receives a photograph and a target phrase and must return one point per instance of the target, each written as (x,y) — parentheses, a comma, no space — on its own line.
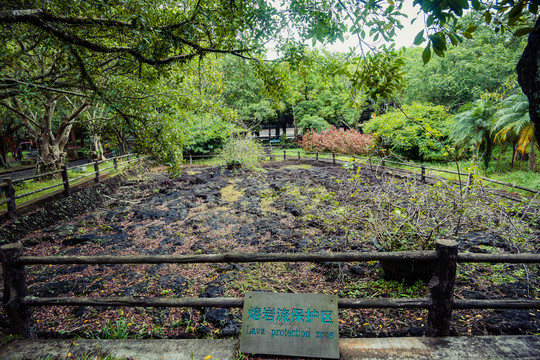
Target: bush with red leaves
(334,140)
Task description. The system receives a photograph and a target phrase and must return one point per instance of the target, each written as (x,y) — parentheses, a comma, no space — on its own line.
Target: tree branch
(43,20)
(23,116)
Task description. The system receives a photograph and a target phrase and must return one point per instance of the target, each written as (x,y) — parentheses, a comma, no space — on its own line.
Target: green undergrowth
(36,184)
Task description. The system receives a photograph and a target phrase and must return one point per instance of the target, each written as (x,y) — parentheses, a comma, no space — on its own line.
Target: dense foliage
(155,69)
(416,131)
(207,134)
(465,72)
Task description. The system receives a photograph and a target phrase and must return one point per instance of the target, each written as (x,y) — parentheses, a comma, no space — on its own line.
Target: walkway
(448,348)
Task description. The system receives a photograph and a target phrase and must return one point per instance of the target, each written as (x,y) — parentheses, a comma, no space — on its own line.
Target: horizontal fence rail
(327,156)
(420,256)
(423,168)
(232,258)
(440,303)
(10,192)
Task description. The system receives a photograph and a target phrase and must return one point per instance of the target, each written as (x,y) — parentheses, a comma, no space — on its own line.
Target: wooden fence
(10,193)
(332,158)
(440,303)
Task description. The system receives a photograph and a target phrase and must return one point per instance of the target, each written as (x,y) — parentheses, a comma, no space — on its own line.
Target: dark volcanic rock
(66,287)
(179,241)
(212,292)
(79,239)
(472,241)
(217,316)
(513,322)
(231,329)
(174,282)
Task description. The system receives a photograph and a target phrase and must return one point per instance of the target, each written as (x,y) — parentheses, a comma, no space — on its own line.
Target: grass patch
(29,186)
(114,330)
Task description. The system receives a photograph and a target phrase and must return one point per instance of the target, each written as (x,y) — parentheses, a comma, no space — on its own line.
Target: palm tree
(512,123)
(472,128)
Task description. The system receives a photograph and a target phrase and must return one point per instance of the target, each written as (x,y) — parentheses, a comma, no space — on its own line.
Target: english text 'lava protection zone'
(290,324)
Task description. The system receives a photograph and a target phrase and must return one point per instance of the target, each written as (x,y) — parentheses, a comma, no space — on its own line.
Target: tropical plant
(472,129)
(512,123)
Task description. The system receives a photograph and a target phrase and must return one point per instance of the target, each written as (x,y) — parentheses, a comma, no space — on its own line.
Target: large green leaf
(426,54)
(419,38)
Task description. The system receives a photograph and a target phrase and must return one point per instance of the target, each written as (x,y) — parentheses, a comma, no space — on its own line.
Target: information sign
(290,325)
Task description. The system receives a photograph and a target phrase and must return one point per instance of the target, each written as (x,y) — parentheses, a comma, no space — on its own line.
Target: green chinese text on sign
(290,324)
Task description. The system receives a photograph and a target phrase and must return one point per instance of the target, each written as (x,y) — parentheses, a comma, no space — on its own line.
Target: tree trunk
(529,76)
(4,151)
(532,157)
(96,148)
(50,147)
(46,161)
(74,141)
(513,152)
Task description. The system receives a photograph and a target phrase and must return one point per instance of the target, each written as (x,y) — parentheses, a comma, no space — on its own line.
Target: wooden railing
(422,173)
(440,302)
(333,158)
(10,192)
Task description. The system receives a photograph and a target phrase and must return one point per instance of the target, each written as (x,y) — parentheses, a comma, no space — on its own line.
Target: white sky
(404,37)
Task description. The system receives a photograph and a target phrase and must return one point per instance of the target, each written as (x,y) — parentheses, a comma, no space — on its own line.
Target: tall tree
(51,138)
(465,72)
(129,35)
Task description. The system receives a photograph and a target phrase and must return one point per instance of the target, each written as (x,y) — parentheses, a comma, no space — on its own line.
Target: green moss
(230,193)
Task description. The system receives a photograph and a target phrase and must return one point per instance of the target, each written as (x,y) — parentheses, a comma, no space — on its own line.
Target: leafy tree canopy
(92,49)
(418,132)
(465,72)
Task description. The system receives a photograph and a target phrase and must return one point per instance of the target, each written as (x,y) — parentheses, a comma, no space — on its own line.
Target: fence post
(190,159)
(317,156)
(10,193)
(96,169)
(334,158)
(423,177)
(15,290)
(469,181)
(284,154)
(115,162)
(442,288)
(299,155)
(65,179)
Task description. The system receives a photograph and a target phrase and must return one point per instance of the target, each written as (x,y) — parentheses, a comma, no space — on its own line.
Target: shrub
(243,152)
(407,135)
(207,134)
(338,141)
(313,123)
